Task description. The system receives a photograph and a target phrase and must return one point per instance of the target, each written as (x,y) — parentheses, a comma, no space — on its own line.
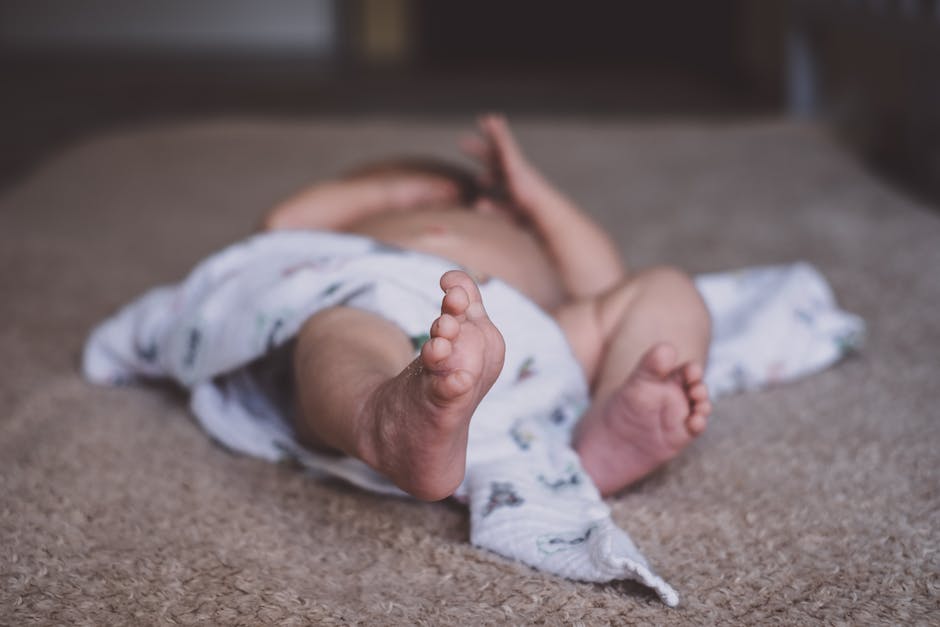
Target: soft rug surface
(225,333)
(810,501)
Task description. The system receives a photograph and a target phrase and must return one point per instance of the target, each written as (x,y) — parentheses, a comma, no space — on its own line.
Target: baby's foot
(652,416)
(421,417)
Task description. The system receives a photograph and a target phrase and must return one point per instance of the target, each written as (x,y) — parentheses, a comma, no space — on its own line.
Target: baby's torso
(484,243)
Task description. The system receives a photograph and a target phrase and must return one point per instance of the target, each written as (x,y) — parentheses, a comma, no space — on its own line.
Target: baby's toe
(692,373)
(659,361)
(455,301)
(435,351)
(698,392)
(446,326)
(476,311)
(704,408)
(696,423)
(454,278)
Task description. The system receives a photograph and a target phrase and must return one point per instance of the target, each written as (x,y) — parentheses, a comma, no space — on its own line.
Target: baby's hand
(512,183)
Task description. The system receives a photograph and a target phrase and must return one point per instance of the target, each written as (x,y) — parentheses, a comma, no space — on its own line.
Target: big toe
(459,278)
(659,361)
(460,282)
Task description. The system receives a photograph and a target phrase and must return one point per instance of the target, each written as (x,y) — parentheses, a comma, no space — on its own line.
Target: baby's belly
(485,244)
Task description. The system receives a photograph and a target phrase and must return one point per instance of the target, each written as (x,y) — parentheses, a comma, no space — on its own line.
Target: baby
(640,337)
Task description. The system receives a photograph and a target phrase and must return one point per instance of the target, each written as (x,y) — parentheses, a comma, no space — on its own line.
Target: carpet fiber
(814,501)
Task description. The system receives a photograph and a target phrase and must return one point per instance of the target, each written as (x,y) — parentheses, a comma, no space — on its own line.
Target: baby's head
(416,181)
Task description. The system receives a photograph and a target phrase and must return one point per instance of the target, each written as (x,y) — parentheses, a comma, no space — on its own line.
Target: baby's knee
(667,275)
(678,288)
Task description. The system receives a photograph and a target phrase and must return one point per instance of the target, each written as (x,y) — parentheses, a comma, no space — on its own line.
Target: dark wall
(591,34)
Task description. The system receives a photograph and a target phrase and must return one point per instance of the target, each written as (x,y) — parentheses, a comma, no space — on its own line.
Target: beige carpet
(814,502)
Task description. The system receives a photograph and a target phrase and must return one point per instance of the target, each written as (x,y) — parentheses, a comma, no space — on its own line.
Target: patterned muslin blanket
(226,331)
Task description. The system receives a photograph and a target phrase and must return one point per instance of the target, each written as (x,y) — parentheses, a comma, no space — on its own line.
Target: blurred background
(869,69)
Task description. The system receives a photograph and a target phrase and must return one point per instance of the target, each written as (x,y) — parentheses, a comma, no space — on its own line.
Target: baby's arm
(339,203)
(586,258)
(331,205)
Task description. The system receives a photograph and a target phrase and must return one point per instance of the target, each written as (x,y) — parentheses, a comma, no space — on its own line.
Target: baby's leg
(361,393)
(643,345)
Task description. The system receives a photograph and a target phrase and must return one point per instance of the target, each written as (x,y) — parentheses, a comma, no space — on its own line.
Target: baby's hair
(467,185)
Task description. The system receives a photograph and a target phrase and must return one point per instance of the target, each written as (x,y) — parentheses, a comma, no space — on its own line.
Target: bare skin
(641,338)
(409,418)
(645,422)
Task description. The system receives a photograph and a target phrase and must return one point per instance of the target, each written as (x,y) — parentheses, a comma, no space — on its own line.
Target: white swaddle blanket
(225,333)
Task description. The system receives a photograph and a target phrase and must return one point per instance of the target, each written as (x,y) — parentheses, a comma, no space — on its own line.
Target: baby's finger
(498,132)
(474,146)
